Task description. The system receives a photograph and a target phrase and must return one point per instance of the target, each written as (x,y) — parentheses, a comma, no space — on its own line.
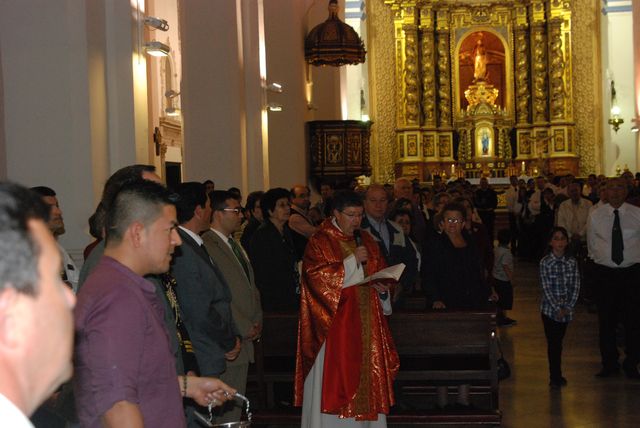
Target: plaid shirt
(560,282)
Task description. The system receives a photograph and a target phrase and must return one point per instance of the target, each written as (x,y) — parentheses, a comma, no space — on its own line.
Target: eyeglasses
(454,220)
(352,215)
(233,210)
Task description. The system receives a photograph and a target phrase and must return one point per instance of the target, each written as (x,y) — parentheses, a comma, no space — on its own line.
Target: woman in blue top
(560,282)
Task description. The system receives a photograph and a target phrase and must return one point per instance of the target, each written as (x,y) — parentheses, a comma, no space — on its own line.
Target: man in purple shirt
(125,371)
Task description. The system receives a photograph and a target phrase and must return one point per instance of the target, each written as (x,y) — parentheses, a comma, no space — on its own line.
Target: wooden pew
(448,348)
(455,347)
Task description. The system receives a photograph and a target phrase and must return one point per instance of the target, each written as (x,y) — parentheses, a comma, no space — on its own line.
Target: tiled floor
(526,399)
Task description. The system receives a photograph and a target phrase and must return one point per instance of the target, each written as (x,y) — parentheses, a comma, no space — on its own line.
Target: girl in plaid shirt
(560,287)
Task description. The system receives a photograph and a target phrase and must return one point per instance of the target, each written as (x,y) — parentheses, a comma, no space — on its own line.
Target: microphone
(358,237)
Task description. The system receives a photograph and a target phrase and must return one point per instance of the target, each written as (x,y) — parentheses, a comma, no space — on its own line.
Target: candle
(453,169)
(523,169)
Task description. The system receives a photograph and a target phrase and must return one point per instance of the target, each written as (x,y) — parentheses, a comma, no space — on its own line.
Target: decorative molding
(587,80)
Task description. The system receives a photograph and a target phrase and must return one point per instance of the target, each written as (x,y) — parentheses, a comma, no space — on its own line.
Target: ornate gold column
(428,66)
(408,87)
(562,154)
(539,63)
(445,136)
(522,66)
(444,69)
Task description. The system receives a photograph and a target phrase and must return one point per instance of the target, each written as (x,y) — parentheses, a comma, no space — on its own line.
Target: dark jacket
(456,274)
(274,263)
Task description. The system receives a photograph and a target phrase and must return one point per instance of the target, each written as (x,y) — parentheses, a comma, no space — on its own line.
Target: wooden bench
(434,347)
(447,347)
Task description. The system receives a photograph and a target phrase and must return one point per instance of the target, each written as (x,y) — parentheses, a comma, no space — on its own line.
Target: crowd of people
(170,297)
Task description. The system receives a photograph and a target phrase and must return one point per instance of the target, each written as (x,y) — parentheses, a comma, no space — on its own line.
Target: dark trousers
(488,218)
(617,294)
(554,332)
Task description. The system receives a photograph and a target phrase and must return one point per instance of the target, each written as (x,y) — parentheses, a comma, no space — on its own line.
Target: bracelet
(184,386)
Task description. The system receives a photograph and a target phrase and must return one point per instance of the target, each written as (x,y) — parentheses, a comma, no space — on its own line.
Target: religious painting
(333,153)
(412,145)
(428,148)
(558,140)
(444,146)
(482,60)
(484,141)
(524,143)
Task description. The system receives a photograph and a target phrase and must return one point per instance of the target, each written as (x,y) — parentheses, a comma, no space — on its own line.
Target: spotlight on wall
(155,48)
(274,107)
(172,111)
(615,120)
(274,87)
(157,23)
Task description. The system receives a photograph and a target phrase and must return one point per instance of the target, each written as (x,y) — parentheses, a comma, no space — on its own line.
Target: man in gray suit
(229,256)
(203,293)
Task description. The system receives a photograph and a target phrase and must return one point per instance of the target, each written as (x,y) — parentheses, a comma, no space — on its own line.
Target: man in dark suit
(394,245)
(202,291)
(234,264)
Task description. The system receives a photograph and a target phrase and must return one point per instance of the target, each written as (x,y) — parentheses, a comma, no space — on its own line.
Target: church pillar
(212,92)
(74,100)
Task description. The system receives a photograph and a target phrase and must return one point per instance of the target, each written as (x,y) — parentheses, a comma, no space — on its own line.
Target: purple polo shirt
(122,349)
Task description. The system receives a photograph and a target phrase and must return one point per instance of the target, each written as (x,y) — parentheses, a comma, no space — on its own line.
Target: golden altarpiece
(483,88)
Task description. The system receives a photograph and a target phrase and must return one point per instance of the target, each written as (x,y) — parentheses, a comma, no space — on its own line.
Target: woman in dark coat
(273,255)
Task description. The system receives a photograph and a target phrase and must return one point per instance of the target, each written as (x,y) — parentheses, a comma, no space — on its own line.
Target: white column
(69,110)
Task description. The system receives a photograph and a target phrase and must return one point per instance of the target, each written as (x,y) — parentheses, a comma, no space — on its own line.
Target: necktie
(617,246)
(238,253)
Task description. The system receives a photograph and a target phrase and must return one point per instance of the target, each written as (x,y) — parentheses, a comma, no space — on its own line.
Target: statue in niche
(485,142)
(478,56)
(479,61)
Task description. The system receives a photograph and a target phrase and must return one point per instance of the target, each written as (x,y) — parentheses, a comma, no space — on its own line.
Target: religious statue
(485,142)
(479,61)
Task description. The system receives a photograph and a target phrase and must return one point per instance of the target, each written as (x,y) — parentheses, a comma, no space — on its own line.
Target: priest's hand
(361,254)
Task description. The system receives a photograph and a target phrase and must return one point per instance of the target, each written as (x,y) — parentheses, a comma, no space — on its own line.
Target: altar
(483,89)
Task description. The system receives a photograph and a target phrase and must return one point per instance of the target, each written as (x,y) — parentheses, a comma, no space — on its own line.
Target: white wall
(70,116)
(620,148)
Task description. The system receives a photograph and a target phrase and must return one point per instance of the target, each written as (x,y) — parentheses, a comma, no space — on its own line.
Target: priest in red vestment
(346,360)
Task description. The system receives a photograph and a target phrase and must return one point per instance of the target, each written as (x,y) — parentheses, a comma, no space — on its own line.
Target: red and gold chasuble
(360,358)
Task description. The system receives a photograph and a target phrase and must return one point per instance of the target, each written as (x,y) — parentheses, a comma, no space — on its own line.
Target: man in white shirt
(536,199)
(572,215)
(69,271)
(613,238)
(36,323)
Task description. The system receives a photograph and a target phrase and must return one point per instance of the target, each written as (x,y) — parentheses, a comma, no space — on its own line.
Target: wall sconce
(274,107)
(155,48)
(274,87)
(157,23)
(172,111)
(615,120)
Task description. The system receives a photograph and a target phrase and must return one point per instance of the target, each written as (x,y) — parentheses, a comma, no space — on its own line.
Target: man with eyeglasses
(342,326)
(202,291)
(228,255)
